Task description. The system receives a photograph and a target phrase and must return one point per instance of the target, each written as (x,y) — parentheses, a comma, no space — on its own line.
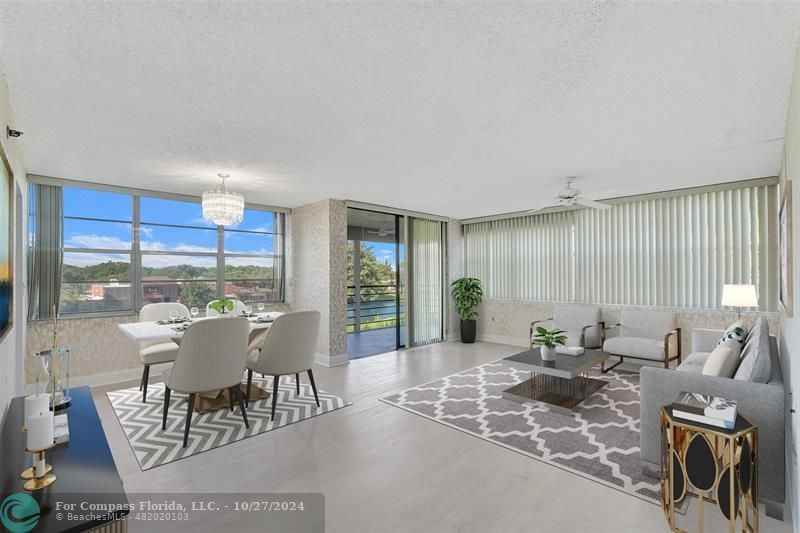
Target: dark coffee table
(560,385)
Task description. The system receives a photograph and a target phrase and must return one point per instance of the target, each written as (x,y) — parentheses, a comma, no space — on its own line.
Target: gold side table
(712,464)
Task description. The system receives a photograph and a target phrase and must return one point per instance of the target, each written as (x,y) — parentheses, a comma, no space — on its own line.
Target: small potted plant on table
(548,339)
(222,306)
(467,294)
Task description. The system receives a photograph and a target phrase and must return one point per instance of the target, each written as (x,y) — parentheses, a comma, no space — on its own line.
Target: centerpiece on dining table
(222,306)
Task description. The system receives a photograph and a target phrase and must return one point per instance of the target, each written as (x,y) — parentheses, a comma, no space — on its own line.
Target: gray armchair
(582,324)
(644,334)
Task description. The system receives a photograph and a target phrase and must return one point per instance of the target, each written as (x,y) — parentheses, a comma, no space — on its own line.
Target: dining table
(169,330)
(165,330)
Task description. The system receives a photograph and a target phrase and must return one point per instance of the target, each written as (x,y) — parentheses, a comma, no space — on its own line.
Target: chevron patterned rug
(598,441)
(154,446)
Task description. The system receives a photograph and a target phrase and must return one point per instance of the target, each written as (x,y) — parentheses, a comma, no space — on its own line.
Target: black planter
(468,331)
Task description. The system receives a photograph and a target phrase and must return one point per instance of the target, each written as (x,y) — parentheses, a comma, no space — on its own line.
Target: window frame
(136,254)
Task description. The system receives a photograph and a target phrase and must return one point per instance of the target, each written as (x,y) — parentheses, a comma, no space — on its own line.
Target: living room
(399,266)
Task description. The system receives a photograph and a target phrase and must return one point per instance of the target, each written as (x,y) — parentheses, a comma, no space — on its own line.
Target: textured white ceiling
(459,109)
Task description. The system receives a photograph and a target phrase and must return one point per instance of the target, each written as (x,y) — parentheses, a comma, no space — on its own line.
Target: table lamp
(739,296)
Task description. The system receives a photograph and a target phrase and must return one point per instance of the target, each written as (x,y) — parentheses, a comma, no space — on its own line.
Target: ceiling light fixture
(222,207)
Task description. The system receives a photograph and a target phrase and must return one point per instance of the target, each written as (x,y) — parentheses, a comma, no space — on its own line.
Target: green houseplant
(221,306)
(548,339)
(467,294)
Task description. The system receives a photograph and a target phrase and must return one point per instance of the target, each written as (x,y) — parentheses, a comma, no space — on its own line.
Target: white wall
(12,345)
(790,326)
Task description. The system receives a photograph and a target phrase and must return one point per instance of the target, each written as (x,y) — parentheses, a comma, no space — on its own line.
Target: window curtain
(525,258)
(426,247)
(46,251)
(668,251)
(679,251)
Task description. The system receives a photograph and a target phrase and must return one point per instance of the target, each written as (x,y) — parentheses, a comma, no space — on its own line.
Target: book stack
(569,350)
(705,409)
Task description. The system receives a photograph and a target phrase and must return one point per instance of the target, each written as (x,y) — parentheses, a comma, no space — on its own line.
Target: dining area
(215,357)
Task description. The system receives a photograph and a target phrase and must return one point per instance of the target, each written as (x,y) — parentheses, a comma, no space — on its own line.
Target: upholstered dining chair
(288,348)
(211,357)
(238,309)
(157,351)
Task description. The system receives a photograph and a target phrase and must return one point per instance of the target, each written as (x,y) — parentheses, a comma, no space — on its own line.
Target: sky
(116,233)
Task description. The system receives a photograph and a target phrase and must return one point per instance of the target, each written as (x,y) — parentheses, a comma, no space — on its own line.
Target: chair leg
(237,391)
(167,392)
(189,411)
(230,400)
(247,391)
(145,379)
(297,383)
(313,385)
(275,380)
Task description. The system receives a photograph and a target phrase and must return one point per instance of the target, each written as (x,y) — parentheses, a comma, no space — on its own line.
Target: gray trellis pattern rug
(598,441)
(154,446)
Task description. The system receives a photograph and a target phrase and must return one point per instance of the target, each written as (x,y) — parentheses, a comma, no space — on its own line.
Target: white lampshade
(739,296)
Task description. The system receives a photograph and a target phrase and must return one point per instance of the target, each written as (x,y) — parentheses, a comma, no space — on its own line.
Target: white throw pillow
(737,332)
(723,361)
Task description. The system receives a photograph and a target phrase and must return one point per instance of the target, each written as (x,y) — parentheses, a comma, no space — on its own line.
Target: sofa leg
(773,509)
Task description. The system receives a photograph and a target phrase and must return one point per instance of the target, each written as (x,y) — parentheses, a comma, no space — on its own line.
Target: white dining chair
(288,348)
(211,357)
(157,351)
(238,309)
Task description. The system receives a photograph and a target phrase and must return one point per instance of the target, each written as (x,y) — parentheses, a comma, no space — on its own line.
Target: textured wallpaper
(309,275)
(338,278)
(97,345)
(509,321)
(318,271)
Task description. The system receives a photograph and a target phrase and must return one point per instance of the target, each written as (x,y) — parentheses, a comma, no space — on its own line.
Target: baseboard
(108,378)
(503,339)
(331,360)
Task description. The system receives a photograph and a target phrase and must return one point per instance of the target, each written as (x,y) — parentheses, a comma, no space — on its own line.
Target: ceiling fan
(381,232)
(571,196)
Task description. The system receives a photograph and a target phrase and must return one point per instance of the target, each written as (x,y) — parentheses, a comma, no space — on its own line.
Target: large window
(122,251)
(179,253)
(96,273)
(253,258)
(673,250)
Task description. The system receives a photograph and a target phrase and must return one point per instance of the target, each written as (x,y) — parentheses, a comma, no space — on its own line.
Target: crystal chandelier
(222,207)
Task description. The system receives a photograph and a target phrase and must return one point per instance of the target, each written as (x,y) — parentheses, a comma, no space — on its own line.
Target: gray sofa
(760,402)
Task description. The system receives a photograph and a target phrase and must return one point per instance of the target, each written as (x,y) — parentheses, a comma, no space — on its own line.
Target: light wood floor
(383,469)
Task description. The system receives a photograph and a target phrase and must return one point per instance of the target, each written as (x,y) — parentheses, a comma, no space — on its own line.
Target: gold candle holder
(39,475)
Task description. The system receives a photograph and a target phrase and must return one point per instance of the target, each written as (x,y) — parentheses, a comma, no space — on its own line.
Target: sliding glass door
(375,296)
(426,279)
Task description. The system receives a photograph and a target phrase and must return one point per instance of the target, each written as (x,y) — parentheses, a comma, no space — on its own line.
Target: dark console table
(84,468)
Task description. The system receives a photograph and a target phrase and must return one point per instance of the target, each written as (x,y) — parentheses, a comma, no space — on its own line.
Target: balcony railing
(373,307)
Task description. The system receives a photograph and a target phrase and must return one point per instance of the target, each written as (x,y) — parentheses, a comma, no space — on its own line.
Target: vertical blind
(673,251)
(526,258)
(427,272)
